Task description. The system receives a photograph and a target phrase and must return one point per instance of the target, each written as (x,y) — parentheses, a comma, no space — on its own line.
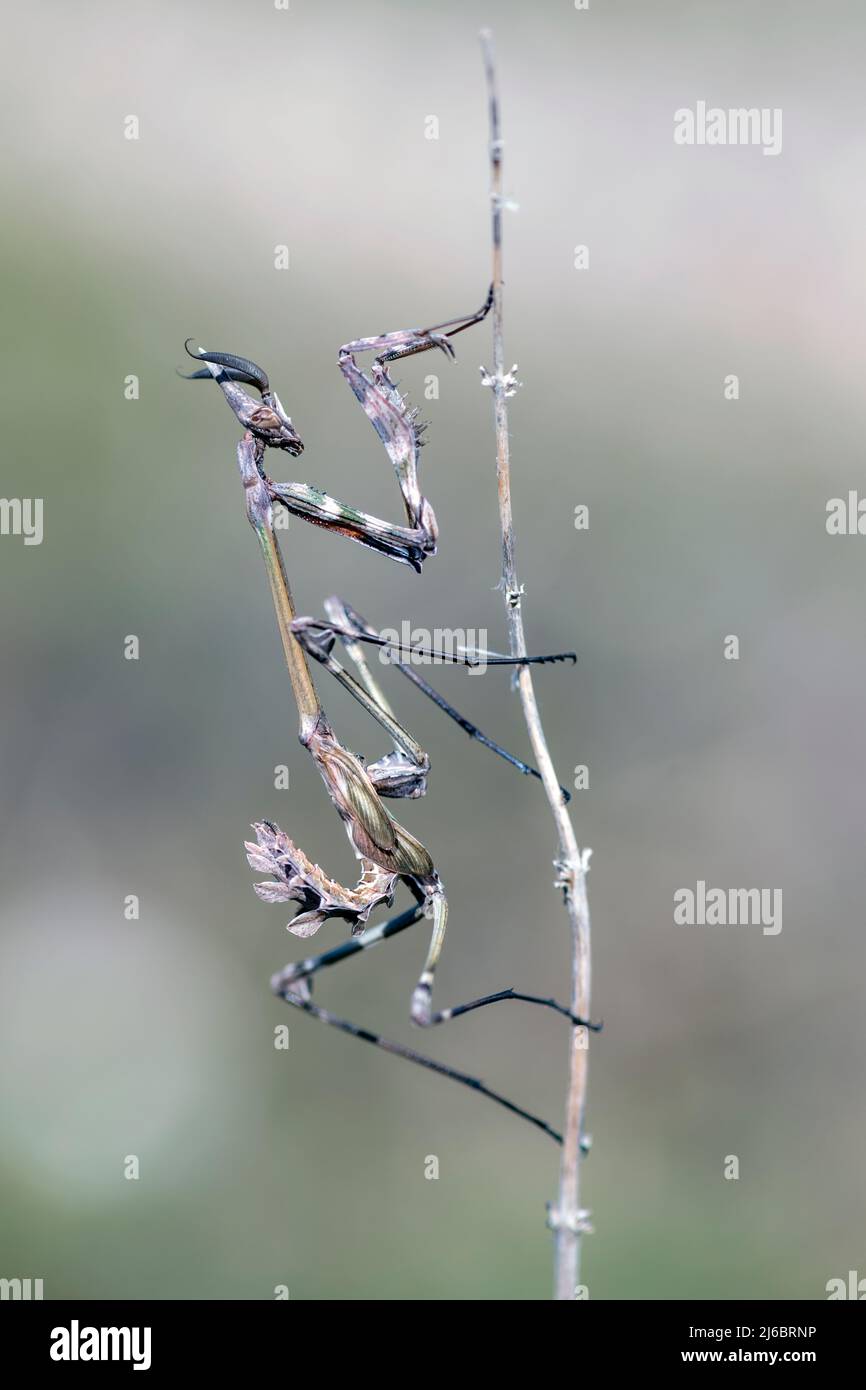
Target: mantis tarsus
(387,851)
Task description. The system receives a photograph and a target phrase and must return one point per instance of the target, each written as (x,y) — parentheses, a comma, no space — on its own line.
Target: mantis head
(266,419)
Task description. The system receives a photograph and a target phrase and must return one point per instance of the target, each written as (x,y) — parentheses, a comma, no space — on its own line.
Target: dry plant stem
(567,1219)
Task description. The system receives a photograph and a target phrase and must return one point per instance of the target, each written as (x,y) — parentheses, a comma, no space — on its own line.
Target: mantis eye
(265,419)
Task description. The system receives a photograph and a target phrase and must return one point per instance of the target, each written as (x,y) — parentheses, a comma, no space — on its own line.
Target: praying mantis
(388,853)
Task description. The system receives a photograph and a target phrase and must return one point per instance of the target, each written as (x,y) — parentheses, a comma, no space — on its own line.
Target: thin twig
(566,1218)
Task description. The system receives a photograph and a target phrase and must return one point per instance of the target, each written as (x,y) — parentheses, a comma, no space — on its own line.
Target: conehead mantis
(388,853)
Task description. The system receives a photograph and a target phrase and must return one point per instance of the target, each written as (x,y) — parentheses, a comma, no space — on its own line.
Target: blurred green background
(155,1037)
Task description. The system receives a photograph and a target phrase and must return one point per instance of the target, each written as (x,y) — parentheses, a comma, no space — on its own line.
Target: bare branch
(566,1217)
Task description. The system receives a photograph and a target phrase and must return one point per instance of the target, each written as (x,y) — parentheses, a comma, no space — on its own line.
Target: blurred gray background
(155,1037)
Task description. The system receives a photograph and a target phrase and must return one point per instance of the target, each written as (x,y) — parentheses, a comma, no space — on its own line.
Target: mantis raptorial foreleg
(396,424)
